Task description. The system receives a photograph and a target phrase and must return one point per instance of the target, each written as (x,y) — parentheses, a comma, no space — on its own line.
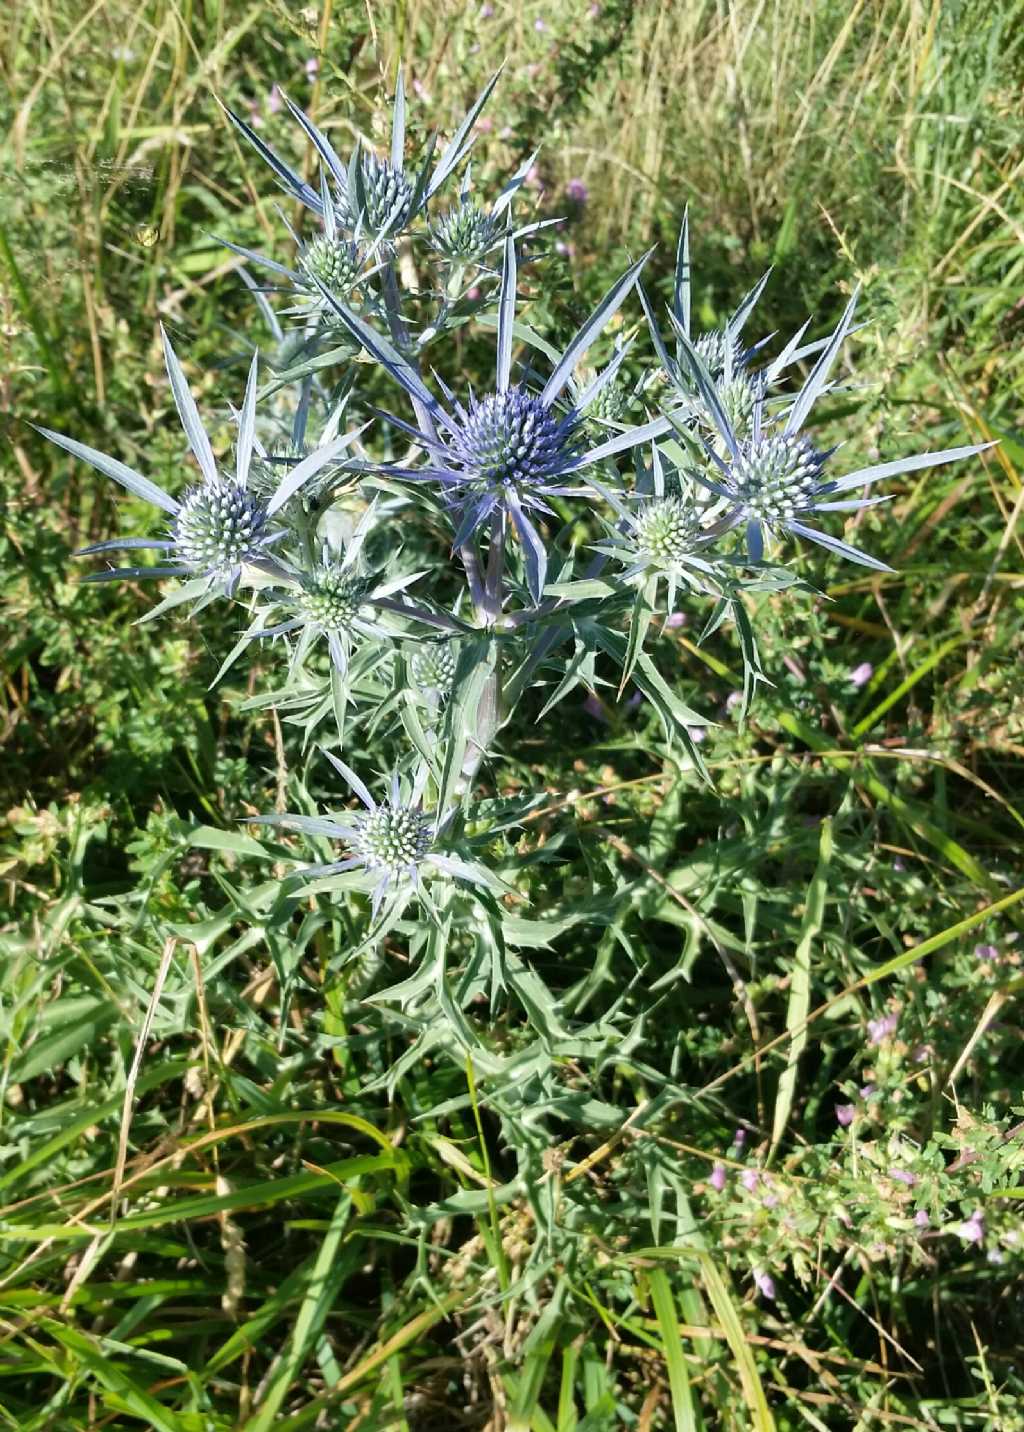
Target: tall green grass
(221,1204)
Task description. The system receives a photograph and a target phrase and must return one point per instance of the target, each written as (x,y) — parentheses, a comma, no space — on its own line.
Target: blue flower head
(395,840)
(504,454)
(219,525)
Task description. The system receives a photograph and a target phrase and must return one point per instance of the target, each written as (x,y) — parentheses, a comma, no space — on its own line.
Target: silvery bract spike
(505,453)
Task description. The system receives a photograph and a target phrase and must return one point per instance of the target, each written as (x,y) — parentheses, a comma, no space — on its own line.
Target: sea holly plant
(405,546)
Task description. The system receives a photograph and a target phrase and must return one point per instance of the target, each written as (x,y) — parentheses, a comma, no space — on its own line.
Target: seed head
(712,348)
(667,531)
(387,199)
(220,525)
(511,439)
(333,598)
(775,478)
(433,665)
(611,404)
(392,838)
(335,262)
(464,232)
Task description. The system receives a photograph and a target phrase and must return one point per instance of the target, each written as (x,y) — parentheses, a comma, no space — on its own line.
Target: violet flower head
(765,1284)
(500,456)
(576,191)
(845,1114)
(718,1177)
(218,526)
(861,675)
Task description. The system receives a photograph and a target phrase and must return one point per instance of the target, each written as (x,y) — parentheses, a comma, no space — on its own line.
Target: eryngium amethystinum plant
(409,548)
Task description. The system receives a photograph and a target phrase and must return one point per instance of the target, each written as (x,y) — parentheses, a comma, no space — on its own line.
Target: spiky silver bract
(500,457)
(394,840)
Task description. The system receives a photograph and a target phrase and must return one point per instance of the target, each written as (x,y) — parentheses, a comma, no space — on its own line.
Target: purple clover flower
(576,191)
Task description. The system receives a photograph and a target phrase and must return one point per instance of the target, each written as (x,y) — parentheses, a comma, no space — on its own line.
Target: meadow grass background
(272,1240)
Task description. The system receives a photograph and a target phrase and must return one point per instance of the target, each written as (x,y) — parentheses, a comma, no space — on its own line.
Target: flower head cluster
(433,667)
(502,455)
(337,600)
(220,525)
(331,260)
(394,840)
(372,197)
(770,477)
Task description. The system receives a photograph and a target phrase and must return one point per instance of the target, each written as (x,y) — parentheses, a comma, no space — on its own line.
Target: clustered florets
(333,598)
(712,348)
(384,204)
(392,838)
(220,525)
(511,439)
(776,478)
(334,262)
(463,232)
(667,531)
(433,665)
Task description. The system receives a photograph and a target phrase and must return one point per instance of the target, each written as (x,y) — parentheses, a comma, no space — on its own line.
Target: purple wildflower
(765,1284)
(973,1230)
(986,952)
(845,1114)
(718,1177)
(903,1175)
(921,1219)
(749,1178)
(576,191)
(881,1029)
(861,675)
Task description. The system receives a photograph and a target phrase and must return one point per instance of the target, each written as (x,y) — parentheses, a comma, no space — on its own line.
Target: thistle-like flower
(503,455)
(774,479)
(433,667)
(374,198)
(337,600)
(218,527)
(395,840)
(464,233)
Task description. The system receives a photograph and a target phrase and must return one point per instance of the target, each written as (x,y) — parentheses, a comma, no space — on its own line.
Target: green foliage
(663,1162)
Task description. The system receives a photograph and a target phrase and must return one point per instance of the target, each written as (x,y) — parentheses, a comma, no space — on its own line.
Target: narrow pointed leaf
(457,147)
(247,425)
(840,548)
(110,467)
(506,315)
(818,376)
(309,467)
(914,463)
(188,412)
(605,311)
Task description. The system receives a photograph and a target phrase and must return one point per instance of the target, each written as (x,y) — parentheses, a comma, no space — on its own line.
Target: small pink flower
(734,699)
(312,67)
(903,1175)
(973,1230)
(676,619)
(273,100)
(845,1114)
(540,25)
(880,1029)
(739,1138)
(486,11)
(765,1284)
(861,675)
(576,191)
(697,734)
(986,952)
(718,1177)
(750,1178)
(921,1219)
(485,124)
